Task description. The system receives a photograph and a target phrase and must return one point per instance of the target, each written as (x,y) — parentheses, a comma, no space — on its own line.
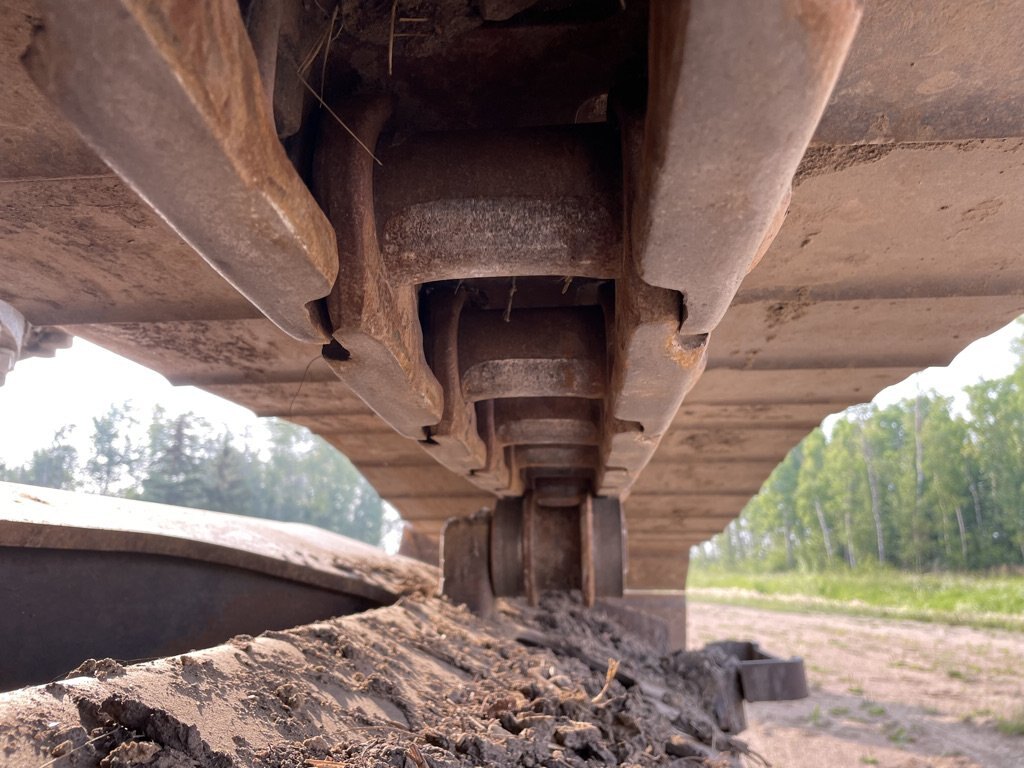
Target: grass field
(978,601)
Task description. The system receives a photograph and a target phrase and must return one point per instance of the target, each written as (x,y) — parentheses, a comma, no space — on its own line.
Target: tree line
(184,460)
(915,485)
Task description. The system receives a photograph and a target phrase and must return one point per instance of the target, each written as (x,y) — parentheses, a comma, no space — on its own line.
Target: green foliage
(52,467)
(915,485)
(1013,725)
(994,600)
(114,456)
(186,462)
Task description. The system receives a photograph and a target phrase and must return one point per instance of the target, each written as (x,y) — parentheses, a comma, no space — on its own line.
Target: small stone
(577,736)
(131,753)
(316,744)
(101,669)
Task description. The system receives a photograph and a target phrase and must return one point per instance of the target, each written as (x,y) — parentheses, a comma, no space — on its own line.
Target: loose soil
(421,684)
(888,693)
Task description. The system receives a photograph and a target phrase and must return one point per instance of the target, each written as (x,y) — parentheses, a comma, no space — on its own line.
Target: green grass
(816,718)
(1011,726)
(875,710)
(979,601)
(897,734)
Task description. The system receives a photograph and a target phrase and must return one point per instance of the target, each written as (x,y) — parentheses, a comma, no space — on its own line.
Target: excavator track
(555,253)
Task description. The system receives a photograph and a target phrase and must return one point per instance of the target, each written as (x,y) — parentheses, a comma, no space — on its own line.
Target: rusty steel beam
(496,475)
(169,95)
(684,170)
(653,363)
(455,440)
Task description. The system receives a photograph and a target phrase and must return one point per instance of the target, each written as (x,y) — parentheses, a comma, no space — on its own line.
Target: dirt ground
(420,684)
(886,693)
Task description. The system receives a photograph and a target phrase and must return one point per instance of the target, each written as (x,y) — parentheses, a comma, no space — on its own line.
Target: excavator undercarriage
(512,238)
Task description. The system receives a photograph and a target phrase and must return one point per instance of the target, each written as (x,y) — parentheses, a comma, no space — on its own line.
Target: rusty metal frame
(541,201)
(530,304)
(379,342)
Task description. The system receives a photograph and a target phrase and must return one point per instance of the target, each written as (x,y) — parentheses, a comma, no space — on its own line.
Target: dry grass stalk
(341,122)
(391,37)
(609,676)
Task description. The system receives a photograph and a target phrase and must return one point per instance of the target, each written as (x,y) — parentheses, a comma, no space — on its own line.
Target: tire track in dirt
(889,693)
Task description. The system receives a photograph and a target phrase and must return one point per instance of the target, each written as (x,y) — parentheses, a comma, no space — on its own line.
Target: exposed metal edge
(46,518)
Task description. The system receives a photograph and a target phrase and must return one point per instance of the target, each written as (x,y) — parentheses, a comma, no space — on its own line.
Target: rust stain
(686,351)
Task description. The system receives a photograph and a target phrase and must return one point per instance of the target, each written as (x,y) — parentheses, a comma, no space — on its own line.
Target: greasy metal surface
(534,547)
(169,96)
(63,606)
(894,254)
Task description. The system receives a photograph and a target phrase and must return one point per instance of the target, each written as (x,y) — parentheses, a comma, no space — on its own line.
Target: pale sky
(987,358)
(42,395)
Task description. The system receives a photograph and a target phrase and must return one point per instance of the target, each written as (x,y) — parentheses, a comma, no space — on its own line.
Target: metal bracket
(764,677)
(20,339)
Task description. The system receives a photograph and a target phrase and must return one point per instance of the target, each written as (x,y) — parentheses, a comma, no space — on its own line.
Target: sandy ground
(886,693)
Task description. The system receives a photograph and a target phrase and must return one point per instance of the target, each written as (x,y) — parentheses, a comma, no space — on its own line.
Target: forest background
(184,460)
(930,483)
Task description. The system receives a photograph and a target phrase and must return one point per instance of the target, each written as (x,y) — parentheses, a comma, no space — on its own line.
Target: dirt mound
(421,684)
